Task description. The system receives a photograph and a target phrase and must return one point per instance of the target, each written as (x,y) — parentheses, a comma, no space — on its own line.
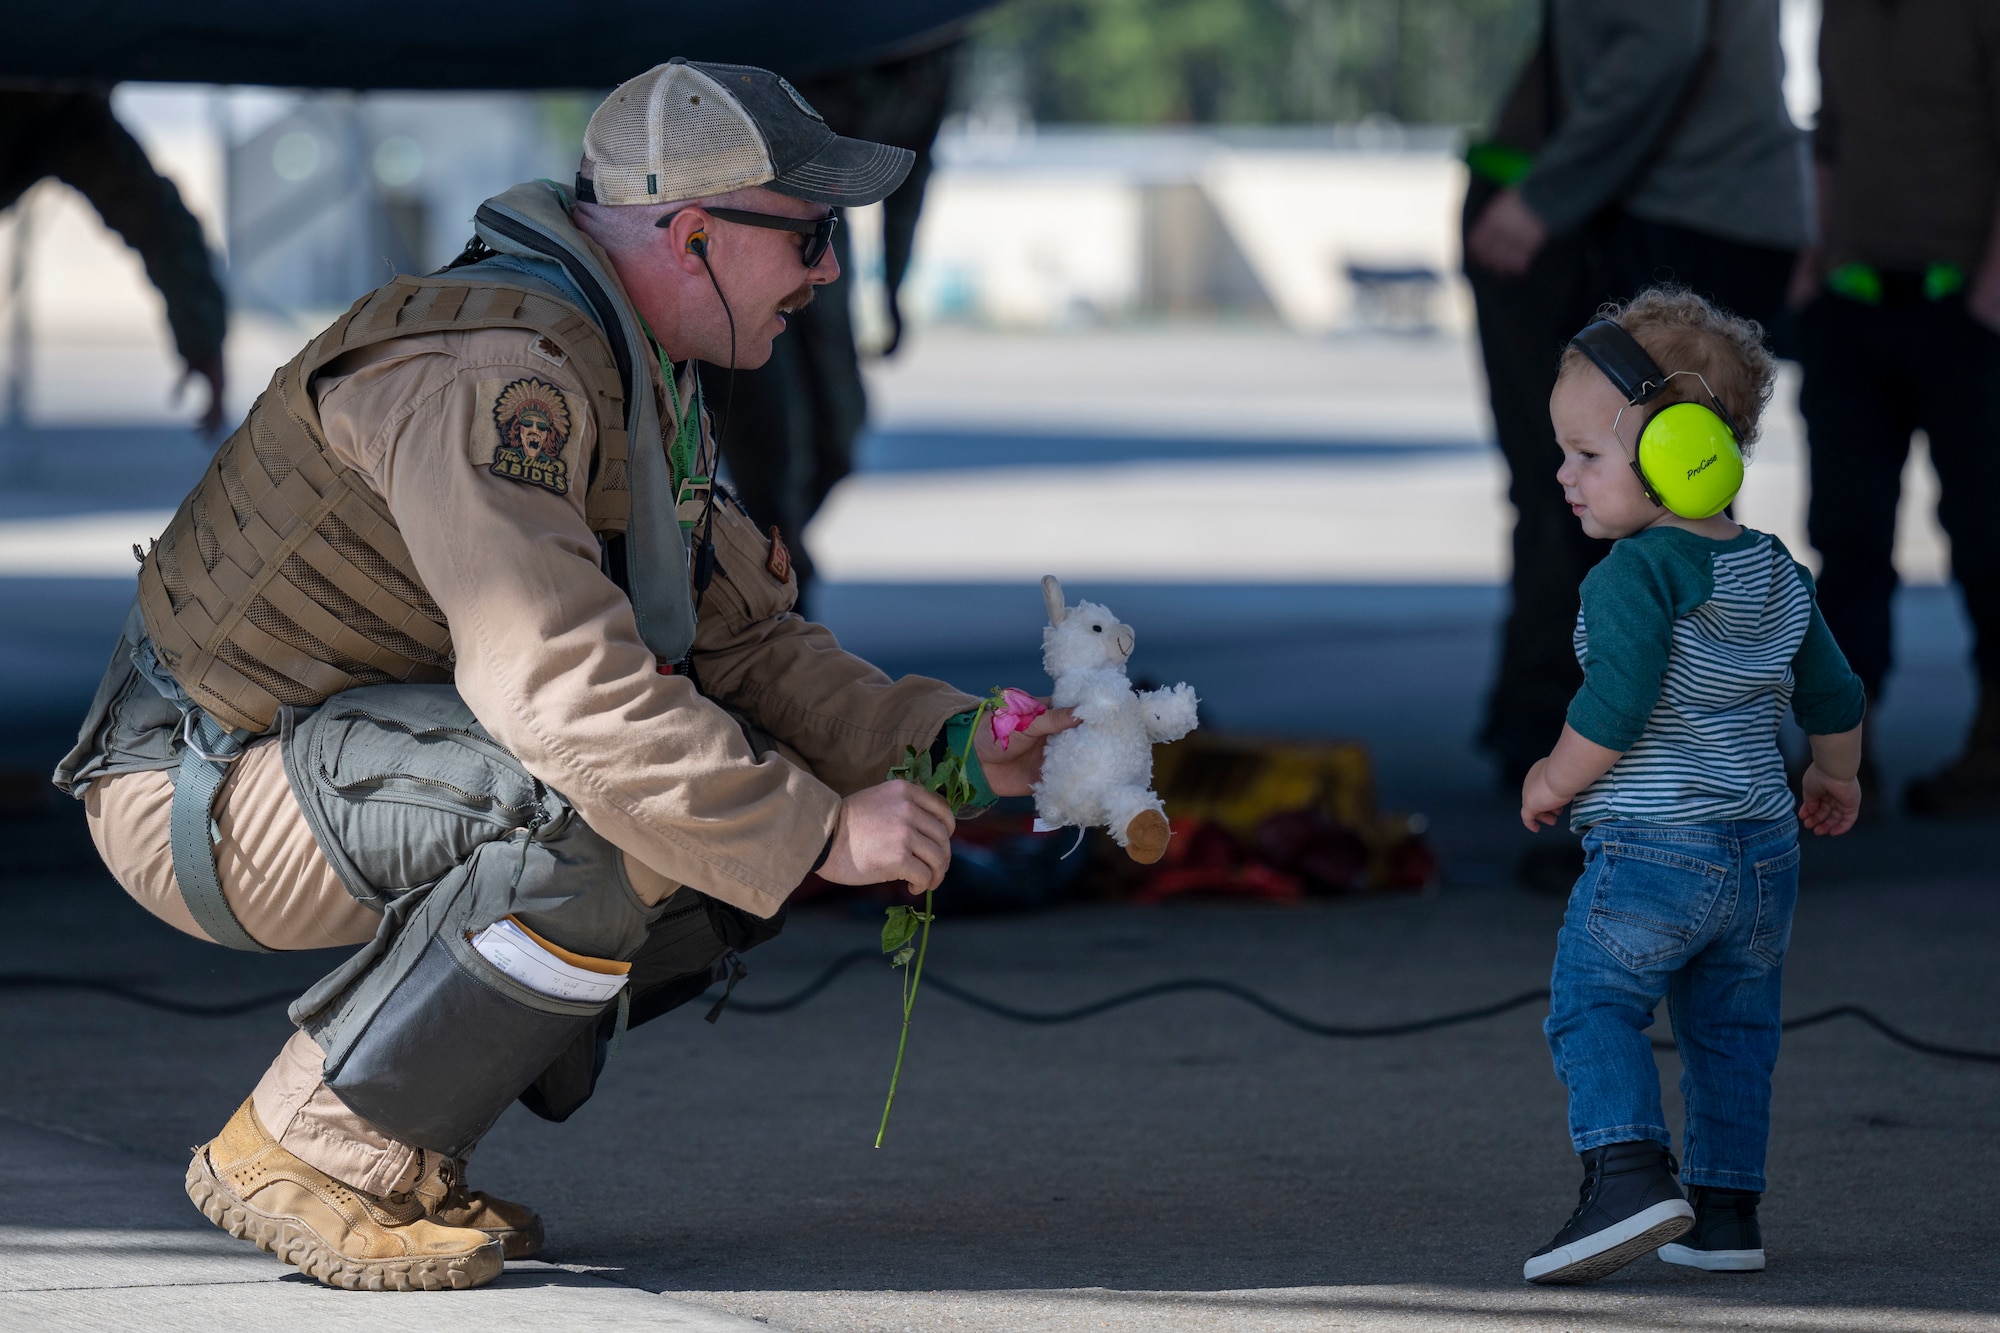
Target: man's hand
(1541,806)
(1507,236)
(1830,805)
(210,369)
(1015,770)
(894,831)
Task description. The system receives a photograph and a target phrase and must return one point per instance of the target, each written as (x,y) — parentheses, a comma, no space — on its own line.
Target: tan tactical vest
(282,578)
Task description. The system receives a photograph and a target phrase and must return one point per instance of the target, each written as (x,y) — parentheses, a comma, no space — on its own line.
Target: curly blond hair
(1681,331)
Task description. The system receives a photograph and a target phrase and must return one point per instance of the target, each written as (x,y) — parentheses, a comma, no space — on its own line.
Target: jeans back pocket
(1648,903)
(1777,897)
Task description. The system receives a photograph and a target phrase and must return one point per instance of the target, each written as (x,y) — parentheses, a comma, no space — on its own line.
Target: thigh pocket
(360,755)
(1777,897)
(451,1045)
(406,797)
(1648,903)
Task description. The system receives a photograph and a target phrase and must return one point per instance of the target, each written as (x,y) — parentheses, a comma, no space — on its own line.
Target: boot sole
(520,1242)
(1609,1250)
(1714,1261)
(296,1244)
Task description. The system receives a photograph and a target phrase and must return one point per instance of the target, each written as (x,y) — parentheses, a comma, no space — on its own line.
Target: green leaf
(903,956)
(900,928)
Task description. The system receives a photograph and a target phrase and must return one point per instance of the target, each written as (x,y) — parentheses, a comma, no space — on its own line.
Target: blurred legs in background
(1523,324)
(789,436)
(1873,375)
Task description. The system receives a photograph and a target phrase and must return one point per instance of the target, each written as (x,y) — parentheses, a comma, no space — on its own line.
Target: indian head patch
(533,423)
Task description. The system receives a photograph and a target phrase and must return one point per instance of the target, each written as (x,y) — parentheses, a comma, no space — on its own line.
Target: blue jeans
(1699,914)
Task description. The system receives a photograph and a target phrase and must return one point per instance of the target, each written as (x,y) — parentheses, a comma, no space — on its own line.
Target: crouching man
(456,654)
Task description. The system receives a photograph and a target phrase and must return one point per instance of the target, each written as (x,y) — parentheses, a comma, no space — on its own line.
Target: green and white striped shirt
(1691,649)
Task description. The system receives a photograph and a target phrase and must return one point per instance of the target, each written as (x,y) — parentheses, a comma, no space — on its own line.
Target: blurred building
(1318,228)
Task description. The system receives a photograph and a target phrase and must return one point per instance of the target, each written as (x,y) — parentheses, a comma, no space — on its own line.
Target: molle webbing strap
(282,579)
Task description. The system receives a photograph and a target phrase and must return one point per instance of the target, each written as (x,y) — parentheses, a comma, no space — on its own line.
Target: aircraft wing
(438,44)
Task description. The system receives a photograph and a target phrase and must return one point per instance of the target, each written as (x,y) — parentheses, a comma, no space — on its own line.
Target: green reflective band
(1943,281)
(1863,283)
(1856,282)
(1498,163)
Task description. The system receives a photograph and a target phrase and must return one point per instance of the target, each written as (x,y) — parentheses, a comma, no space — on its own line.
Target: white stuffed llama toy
(1101,772)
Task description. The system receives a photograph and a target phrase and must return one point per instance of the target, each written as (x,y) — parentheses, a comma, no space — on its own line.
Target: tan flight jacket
(549,656)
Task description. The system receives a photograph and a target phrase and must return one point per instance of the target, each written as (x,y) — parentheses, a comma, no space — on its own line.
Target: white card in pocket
(521,957)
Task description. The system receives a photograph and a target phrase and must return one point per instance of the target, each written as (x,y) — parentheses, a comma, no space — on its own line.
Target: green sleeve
(1630,603)
(1827,697)
(957,731)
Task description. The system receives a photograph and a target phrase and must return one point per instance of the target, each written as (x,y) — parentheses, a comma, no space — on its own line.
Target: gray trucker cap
(688,129)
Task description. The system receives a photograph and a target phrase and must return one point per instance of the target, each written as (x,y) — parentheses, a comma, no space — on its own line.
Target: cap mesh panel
(680,126)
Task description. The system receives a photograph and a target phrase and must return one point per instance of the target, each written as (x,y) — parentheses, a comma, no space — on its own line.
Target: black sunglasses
(817,231)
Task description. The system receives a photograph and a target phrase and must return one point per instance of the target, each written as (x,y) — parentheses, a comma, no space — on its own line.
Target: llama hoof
(1146,837)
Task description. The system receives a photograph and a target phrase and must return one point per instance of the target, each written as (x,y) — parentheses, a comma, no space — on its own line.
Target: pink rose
(1017,709)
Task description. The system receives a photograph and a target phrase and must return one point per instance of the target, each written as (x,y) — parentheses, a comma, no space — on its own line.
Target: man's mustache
(798,300)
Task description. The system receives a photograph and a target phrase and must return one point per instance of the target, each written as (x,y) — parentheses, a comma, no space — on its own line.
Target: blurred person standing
(792,424)
(1902,332)
(72,134)
(1643,145)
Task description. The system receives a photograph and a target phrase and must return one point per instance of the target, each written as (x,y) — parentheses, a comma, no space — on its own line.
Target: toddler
(1694,635)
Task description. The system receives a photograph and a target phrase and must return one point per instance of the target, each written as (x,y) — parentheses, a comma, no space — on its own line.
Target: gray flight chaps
(425,816)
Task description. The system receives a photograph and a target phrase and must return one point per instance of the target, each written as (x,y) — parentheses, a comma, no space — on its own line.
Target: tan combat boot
(256,1191)
(515,1225)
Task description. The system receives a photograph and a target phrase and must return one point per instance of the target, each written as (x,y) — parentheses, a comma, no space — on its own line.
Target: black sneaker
(1630,1203)
(1725,1237)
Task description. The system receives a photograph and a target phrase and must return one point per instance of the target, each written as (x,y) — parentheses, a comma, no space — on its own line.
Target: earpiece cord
(705,562)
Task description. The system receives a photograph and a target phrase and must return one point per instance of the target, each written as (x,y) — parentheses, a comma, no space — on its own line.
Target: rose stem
(909,1003)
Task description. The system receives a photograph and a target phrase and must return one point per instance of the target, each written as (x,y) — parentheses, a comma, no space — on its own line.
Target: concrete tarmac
(1187,1163)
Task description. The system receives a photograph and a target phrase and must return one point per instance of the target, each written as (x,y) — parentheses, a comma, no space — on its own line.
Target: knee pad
(695,944)
(427,1039)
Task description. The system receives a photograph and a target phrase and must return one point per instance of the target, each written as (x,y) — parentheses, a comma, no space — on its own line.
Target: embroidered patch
(780,563)
(532,421)
(545,348)
(799,101)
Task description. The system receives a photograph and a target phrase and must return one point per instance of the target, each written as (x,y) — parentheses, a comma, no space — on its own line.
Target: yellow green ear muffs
(1687,458)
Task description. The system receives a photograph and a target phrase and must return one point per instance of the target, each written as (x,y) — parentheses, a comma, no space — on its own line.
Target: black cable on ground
(833,971)
(119,990)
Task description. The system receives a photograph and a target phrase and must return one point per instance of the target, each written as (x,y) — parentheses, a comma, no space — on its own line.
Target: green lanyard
(683,450)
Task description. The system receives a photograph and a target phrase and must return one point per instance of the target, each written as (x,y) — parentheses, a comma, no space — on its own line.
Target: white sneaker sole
(1609,1250)
(1714,1261)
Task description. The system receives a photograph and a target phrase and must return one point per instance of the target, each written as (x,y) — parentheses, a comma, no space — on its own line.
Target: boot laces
(1593,1176)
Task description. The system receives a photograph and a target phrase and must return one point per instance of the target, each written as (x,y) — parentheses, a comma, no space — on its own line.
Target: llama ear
(1052,596)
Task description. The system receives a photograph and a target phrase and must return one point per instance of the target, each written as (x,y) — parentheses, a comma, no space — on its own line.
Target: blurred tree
(1148,62)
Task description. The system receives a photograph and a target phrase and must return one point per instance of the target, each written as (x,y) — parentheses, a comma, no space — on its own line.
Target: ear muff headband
(1688,457)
